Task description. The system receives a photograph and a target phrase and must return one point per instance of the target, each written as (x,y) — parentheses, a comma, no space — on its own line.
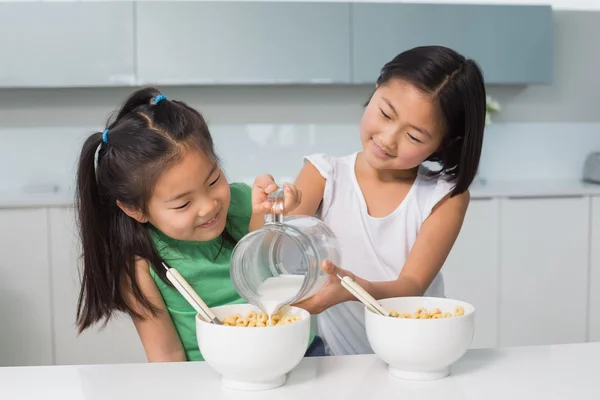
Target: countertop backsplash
(37,161)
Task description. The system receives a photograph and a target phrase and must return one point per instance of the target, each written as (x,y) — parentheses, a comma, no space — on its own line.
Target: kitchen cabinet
(544,270)
(25,300)
(594,306)
(70,44)
(242,43)
(471,270)
(513,44)
(118,342)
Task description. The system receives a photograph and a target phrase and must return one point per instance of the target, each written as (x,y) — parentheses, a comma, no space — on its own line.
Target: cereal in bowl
(259,320)
(423,313)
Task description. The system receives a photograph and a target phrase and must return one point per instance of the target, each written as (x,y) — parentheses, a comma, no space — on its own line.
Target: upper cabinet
(50,44)
(512,44)
(243,43)
(99,44)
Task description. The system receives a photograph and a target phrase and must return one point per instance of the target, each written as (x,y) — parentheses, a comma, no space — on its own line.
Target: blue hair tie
(159,98)
(105,136)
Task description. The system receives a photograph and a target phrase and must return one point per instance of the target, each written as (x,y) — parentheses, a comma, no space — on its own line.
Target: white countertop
(487,189)
(544,372)
(534,188)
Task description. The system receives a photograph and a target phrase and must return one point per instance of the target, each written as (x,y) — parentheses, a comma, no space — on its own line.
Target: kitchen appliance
(591,168)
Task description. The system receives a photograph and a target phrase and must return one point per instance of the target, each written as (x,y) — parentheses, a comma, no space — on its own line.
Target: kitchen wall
(543,132)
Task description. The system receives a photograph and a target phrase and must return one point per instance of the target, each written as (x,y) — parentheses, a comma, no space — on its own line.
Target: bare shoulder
(455,204)
(312,185)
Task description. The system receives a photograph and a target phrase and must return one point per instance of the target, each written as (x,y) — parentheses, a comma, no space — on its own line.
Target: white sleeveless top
(372,248)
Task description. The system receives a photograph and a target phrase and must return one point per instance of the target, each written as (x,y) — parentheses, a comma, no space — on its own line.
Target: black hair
(146,137)
(457,88)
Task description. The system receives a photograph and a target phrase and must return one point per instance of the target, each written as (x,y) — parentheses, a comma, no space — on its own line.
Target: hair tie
(159,98)
(105,136)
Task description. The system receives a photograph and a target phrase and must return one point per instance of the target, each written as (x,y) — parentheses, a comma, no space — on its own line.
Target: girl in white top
(395,219)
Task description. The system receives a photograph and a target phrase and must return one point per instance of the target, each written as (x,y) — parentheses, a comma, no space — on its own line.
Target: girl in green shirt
(150,189)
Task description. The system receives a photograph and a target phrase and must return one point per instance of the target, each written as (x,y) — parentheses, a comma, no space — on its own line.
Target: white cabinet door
(118,342)
(594,306)
(25,300)
(66,44)
(544,271)
(471,270)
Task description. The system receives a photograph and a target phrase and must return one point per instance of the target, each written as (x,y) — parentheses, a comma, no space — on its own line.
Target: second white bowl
(420,349)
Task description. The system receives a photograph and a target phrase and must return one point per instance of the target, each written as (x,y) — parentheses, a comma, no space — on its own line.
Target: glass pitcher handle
(276,214)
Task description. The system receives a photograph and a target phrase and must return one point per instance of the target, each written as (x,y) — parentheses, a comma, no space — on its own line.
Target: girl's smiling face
(399,128)
(191,199)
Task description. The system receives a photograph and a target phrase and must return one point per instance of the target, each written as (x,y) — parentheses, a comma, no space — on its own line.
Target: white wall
(523,151)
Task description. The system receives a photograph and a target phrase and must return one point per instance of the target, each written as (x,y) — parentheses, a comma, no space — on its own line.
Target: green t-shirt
(205,266)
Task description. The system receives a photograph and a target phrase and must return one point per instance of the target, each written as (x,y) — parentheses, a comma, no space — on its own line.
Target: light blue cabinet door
(243,43)
(512,44)
(72,44)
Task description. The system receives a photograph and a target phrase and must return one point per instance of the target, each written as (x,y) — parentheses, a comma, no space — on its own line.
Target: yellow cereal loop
(297,318)
(424,315)
(260,324)
(228,321)
(275,318)
(436,316)
(434,312)
(458,311)
(251,315)
(262,317)
(394,314)
(241,322)
(252,323)
(447,315)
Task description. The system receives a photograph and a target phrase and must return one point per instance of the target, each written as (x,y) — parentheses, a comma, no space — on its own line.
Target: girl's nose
(208,208)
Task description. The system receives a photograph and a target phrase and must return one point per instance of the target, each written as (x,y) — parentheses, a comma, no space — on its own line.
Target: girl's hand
(332,293)
(265,185)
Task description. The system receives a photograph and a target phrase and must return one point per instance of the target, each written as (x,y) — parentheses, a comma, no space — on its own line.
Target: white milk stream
(278,289)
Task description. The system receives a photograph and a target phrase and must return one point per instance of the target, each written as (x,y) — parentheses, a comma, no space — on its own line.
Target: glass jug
(281,263)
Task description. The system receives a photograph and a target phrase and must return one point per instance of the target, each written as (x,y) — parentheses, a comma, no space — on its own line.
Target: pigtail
(111,242)
(95,300)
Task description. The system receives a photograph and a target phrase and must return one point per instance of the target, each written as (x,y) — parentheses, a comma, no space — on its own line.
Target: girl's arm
(428,254)
(426,258)
(157,333)
(312,186)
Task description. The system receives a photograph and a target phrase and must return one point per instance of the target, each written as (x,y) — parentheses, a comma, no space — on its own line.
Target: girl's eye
(182,207)
(384,114)
(414,139)
(215,181)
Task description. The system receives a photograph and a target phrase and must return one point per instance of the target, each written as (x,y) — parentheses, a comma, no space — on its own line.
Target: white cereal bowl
(420,349)
(253,358)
